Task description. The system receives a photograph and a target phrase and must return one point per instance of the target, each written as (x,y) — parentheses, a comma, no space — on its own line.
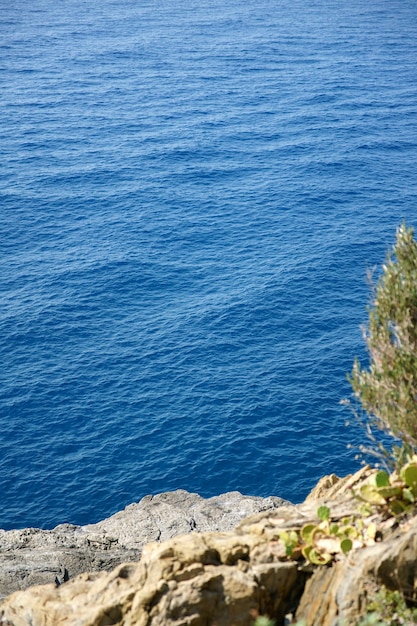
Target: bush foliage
(389,608)
(387,389)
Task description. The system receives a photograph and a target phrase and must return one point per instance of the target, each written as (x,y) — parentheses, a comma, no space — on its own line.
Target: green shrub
(387,389)
(389,608)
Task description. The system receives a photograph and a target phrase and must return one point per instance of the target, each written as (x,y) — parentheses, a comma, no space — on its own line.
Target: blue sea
(191,196)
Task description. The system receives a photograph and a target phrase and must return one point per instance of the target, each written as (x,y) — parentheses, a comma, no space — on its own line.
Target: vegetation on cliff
(387,388)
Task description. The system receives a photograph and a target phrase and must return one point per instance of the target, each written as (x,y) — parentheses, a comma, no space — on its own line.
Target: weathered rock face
(224,578)
(160,517)
(209,578)
(33,556)
(339,594)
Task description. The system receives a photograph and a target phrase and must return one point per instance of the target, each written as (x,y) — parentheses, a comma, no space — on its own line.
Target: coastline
(32,556)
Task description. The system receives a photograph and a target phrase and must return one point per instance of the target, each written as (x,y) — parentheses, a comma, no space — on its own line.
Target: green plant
(387,390)
(371,619)
(322,542)
(396,492)
(389,608)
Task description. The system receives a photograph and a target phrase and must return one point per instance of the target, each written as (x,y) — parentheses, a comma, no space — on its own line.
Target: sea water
(191,196)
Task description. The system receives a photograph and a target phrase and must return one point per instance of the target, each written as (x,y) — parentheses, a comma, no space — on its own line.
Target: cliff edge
(226,578)
(33,556)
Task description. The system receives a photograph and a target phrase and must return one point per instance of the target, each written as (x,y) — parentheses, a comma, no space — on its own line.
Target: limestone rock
(196,579)
(332,486)
(156,518)
(338,594)
(225,578)
(33,556)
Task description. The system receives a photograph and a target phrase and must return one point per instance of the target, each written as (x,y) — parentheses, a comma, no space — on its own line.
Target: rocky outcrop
(33,556)
(208,578)
(339,594)
(226,578)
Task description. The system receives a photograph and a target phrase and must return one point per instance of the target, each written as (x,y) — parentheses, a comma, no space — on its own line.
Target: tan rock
(197,579)
(340,593)
(331,487)
(224,578)
(33,556)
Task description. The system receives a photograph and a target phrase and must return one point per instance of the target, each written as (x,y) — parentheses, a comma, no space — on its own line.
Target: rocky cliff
(32,556)
(225,578)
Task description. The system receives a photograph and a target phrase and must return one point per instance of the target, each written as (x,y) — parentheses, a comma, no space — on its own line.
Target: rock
(330,487)
(227,578)
(33,556)
(220,578)
(196,579)
(339,594)
(156,518)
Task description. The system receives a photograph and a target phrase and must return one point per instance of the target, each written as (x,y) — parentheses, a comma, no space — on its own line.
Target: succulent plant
(397,493)
(323,541)
(320,542)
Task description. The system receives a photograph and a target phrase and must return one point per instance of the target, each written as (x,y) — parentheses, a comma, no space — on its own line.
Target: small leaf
(409,476)
(319,558)
(307,532)
(349,532)
(290,541)
(334,529)
(306,552)
(381,479)
(294,539)
(397,507)
(289,548)
(365,510)
(323,513)
(370,494)
(346,545)
(408,496)
(390,492)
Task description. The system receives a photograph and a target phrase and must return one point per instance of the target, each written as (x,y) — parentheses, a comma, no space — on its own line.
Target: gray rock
(33,556)
(160,517)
